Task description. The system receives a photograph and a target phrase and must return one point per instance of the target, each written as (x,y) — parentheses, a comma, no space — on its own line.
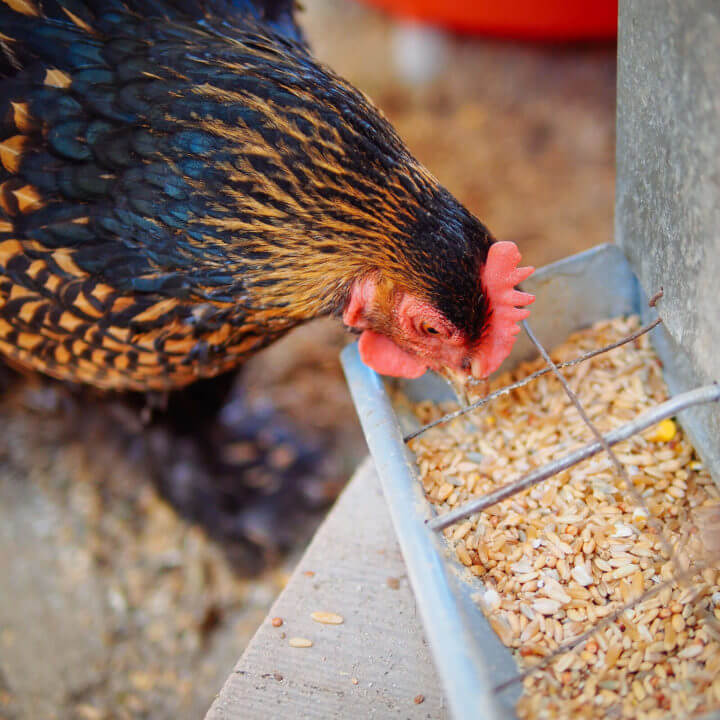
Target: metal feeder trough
(470,659)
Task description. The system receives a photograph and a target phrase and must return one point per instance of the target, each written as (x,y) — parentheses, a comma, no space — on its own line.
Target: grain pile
(558,558)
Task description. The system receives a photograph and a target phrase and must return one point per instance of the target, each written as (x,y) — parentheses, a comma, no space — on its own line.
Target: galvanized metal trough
(470,659)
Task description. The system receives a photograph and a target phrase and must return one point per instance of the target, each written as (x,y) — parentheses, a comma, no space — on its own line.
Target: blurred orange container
(527,19)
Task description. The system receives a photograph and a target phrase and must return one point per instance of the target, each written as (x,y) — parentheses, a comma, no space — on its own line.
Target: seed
(555,591)
(299,642)
(691,651)
(581,575)
(564,662)
(327,618)
(622,530)
(418,699)
(624,571)
(562,556)
(590,689)
(276,621)
(579,592)
(612,655)
(462,553)
(664,431)
(545,606)
(716,688)
(602,564)
(640,513)
(635,661)
(462,531)
(502,629)
(522,567)
(638,582)
(638,690)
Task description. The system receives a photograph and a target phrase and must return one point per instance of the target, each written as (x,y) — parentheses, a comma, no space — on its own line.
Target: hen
(181,184)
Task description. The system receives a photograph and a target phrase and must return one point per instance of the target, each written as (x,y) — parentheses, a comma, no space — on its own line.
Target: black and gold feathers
(181,183)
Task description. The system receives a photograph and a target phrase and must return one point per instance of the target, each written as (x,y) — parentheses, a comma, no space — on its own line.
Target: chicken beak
(458,382)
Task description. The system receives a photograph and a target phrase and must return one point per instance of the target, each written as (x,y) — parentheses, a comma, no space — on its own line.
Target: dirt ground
(111,606)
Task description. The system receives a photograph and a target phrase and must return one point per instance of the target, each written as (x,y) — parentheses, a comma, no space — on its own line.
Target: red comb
(499,277)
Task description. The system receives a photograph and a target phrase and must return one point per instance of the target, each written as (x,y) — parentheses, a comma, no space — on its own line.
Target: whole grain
(559,557)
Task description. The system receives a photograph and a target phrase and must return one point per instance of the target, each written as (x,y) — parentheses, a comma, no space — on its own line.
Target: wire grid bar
(570,645)
(619,467)
(709,393)
(527,380)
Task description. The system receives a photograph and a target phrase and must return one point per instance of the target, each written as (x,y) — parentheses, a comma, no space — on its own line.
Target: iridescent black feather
(181,183)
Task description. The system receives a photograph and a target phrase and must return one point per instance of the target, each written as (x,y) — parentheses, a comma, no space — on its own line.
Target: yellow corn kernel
(664,432)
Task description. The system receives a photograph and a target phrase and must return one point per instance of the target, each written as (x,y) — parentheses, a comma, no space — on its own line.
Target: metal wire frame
(574,642)
(709,393)
(527,380)
(649,418)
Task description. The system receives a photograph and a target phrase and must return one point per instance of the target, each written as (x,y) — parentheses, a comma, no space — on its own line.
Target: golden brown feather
(177,192)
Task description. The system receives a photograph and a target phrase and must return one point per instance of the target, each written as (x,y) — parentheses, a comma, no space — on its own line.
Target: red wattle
(385,357)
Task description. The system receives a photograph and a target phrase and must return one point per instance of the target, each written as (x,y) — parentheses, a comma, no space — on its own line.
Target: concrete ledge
(350,568)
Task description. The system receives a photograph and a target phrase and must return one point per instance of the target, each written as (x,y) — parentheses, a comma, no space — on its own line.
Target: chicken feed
(558,558)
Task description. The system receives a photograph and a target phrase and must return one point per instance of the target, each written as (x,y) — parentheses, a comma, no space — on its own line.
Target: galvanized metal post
(668,183)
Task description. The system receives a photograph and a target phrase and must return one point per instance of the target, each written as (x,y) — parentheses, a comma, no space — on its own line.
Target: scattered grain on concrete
(327,618)
(300,642)
(277,622)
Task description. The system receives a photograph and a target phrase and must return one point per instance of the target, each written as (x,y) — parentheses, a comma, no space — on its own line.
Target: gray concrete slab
(354,568)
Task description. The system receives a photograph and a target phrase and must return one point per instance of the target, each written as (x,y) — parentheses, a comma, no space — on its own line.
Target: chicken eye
(430,330)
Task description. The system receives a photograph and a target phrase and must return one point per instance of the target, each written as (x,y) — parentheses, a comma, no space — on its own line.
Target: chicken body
(181,184)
